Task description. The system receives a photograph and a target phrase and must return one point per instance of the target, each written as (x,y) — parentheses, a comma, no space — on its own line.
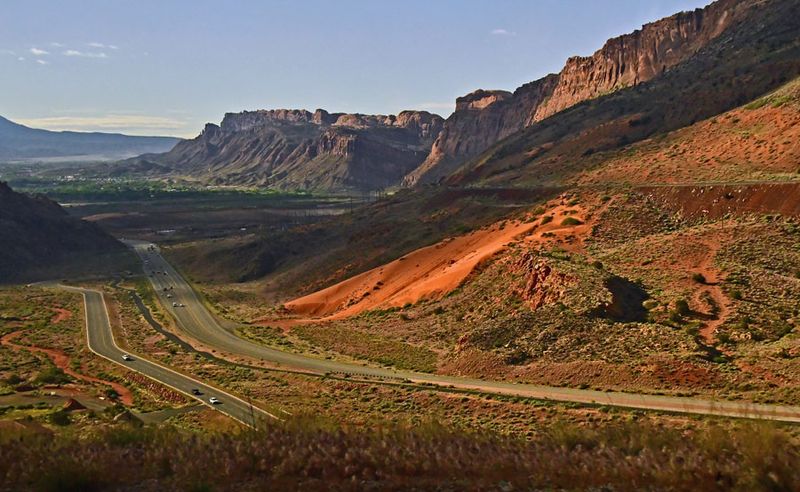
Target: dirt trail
(61,360)
(61,315)
(433,271)
(712,289)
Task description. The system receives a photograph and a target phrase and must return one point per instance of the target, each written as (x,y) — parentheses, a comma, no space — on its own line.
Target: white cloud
(42,62)
(110,122)
(37,52)
(101,45)
(502,32)
(56,45)
(21,58)
(86,54)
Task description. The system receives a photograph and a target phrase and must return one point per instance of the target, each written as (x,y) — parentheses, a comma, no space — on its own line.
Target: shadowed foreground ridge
(39,240)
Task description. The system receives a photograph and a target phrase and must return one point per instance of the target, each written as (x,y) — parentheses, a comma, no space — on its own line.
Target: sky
(166,67)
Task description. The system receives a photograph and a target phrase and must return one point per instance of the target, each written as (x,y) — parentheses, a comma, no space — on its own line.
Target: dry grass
(307,456)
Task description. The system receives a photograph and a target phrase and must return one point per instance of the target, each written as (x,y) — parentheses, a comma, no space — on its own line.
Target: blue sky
(166,67)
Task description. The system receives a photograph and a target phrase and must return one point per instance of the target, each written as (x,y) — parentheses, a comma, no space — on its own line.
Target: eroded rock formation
(484,117)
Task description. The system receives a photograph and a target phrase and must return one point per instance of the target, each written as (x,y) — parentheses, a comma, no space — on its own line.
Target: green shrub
(682,307)
(60,418)
(650,304)
(547,219)
(699,278)
(52,375)
(570,221)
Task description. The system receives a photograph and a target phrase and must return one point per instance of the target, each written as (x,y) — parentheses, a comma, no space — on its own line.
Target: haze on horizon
(166,68)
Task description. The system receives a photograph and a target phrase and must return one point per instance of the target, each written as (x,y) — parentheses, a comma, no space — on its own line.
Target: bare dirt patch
(62,361)
(61,315)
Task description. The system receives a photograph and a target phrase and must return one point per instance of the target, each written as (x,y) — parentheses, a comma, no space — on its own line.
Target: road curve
(196,321)
(100,340)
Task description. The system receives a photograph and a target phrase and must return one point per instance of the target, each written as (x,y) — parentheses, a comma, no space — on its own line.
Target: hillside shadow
(627,298)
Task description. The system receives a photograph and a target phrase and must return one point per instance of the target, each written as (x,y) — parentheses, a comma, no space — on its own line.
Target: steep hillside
(20,142)
(755,142)
(756,55)
(485,117)
(296,149)
(38,240)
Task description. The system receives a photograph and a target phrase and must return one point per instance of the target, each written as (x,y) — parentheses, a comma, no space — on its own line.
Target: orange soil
(61,360)
(712,288)
(714,202)
(61,315)
(433,271)
(739,145)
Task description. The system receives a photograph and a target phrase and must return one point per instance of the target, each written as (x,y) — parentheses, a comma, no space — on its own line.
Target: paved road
(100,340)
(196,321)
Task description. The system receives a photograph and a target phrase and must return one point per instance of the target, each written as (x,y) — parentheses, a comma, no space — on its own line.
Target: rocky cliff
(484,117)
(298,149)
(757,54)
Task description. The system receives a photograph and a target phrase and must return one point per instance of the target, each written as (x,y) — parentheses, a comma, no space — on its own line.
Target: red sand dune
(427,273)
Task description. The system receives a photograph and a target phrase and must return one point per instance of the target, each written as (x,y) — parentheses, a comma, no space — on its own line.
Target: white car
(127,357)
(214,401)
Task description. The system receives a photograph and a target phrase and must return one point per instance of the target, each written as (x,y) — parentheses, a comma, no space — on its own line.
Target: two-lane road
(196,321)
(100,340)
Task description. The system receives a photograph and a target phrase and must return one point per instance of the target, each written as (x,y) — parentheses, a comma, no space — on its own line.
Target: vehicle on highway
(127,357)
(175,304)
(196,392)
(214,401)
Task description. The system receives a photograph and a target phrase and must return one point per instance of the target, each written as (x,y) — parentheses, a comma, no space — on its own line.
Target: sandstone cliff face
(484,117)
(297,149)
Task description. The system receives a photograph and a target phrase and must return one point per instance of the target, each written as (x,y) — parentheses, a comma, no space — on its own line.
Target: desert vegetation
(305,455)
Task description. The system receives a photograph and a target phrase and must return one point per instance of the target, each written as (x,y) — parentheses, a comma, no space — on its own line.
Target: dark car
(196,392)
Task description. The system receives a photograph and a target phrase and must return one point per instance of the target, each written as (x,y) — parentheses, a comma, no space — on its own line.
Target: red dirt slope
(716,201)
(427,273)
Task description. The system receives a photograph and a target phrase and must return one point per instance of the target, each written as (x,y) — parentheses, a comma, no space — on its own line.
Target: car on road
(127,357)
(175,304)
(214,401)
(196,392)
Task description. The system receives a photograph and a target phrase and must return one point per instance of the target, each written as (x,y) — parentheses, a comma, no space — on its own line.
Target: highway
(194,320)
(100,340)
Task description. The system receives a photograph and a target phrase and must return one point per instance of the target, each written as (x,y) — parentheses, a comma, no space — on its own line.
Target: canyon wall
(484,117)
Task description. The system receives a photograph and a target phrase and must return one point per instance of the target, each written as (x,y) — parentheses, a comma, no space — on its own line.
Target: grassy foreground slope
(624,457)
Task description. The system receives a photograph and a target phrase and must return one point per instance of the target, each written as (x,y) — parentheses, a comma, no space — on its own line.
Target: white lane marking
(147,361)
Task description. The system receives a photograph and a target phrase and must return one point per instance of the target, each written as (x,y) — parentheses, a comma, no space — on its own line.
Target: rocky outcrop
(484,117)
(296,149)
(543,285)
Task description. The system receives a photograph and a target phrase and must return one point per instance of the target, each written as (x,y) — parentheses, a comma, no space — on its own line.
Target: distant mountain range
(666,75)
(295,149)
(18,142)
